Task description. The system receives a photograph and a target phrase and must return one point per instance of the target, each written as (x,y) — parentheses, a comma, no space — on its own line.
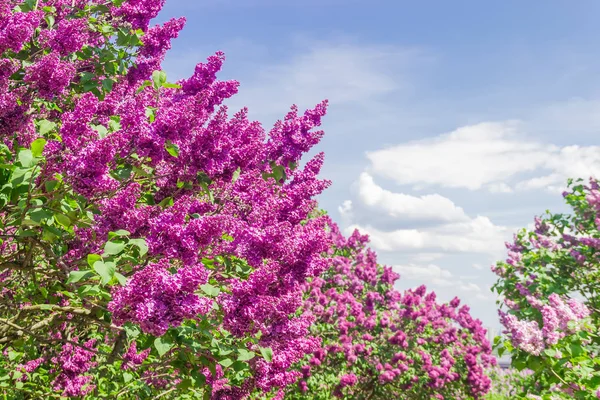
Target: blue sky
(451,123)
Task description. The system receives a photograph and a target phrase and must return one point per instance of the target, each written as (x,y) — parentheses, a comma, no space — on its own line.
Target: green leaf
(141,245)
(121,279)
(92,258)
(113,248)
(107,84)
(45,126)
(159,78)
(106,270)
(39,214)
(166,202)
(245,355)
(127,377)
(131,330)
(172,149)
(576,349)
(210,289)
(63,220)
(279,173)
(267,353)
(115,123)
(144,85)
(236,175)
(76,276)
(185,384)
(120,232)
(162,345)
(171,86)
(151,113)
(49,20)
(550,352)
(26,158)
(101,129)
(37,147)
(226,362)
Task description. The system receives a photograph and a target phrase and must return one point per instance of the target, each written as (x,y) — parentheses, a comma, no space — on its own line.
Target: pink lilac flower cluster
(155,299)
(29,367)
(73,362)
(555,318)
(233,191)
(389,342)
(132,359)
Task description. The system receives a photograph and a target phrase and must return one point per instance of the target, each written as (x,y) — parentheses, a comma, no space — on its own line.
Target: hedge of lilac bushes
(155,245)
(379,343)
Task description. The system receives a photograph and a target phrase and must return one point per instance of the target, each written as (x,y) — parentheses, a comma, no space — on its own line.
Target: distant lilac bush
(551,298)
(379,343)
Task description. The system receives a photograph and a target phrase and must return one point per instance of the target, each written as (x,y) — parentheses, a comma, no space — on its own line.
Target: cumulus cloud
(492,156)
(429,273)
(345,210)
(400,205)
(478,235)
(441,280)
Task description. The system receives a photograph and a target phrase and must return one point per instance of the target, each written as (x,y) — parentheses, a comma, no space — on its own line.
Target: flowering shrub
(151,246)
(379,343)
(551,290)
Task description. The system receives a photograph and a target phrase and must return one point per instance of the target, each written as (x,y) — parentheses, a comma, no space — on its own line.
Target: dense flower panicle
(69,37)
(50,76)
(139,12)
(157,40)
(74,362)
(156,299)
(17,28)
(132,359)
(525,334)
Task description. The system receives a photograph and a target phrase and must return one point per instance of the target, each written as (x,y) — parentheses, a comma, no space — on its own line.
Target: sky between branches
(451,123)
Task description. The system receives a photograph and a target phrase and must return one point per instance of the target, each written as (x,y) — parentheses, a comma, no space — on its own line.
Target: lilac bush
(151,245)
(550,299)
(377,342)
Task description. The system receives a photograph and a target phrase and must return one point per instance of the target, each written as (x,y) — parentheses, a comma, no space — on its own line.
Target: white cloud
(430,274)
(441,280)
(487,155)
(400,205)
(499,187)
(478,235)
(426,257)
(345,210)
